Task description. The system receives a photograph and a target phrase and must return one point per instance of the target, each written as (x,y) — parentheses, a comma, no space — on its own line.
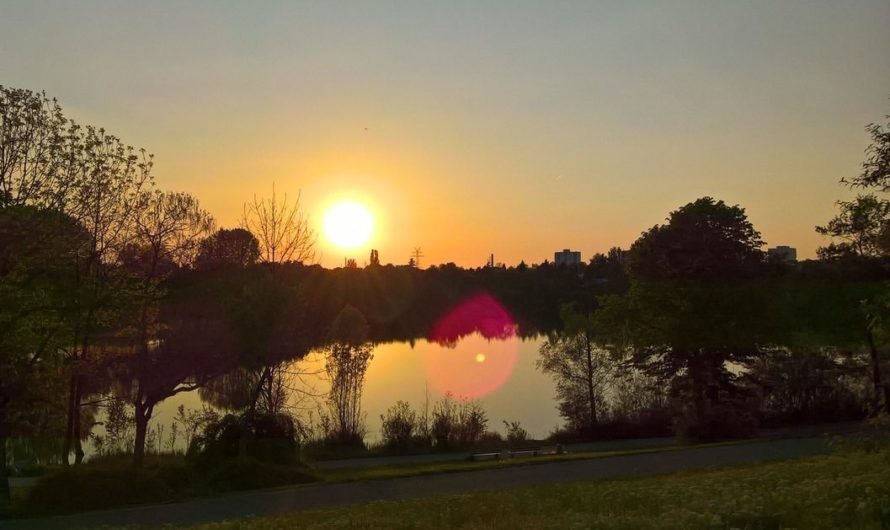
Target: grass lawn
(847,490)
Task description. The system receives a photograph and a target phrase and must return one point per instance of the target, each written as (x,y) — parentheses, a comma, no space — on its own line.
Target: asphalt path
(328,495)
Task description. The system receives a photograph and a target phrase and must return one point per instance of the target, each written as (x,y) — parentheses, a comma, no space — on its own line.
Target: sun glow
(348,224)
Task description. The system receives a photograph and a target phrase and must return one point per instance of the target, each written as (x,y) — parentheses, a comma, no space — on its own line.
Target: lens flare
(487,354)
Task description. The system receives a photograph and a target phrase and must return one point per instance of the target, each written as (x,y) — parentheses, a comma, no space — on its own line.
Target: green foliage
(249,473)
(581,368)
(269,438)
(118,425)
(516,434)
(876,167)
(457,423)
(705,239)
(797,387)
(861,226)
(874,437)
(713,407)
(350,327)
(96,487)
(399,426)
(347,357)
(112,481)
(227,248)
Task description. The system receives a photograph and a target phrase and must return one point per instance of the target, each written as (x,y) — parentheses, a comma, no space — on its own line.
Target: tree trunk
(78,426)
(5,497)
(69,427)
(698,383)
(876,378)
(143,415)
(591,397)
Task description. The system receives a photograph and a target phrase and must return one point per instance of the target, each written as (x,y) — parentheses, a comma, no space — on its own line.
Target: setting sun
(348,224)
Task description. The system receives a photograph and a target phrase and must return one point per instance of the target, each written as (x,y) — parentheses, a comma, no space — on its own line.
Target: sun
(348,224)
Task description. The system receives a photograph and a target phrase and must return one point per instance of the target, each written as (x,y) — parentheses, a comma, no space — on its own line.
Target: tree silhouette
(579,365)
(228,248)
(169,227)
(691,309)
(347,362)
(861,224)
(282,229)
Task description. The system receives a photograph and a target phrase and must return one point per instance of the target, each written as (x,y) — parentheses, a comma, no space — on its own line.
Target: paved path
(284,500)
(806,431)
(436,458)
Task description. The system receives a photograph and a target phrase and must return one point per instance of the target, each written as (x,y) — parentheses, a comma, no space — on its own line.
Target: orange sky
(470,129)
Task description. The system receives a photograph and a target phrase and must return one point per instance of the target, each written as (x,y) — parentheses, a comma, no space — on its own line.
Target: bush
(457,424)
(92,488)
(332,449)
(250,473)
(726,420)
(264,437)
(399,426)
(516,434)
(728,411)
(874,437)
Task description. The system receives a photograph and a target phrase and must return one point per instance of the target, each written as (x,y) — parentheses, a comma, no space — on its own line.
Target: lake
(500,373)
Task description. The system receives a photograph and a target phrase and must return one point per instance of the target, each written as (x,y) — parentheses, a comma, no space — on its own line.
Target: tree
(282,229)
(168,228)
(192,345)
(37,147)
(703,240)
(579,366)
(228,248)
(37,250)
(111,179)
(862,225)
(876,167)
(399,425)
(694,306)
(347,359)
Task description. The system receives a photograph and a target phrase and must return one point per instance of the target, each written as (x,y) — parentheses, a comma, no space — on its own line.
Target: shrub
(471,423)
(725,420)
(92,488)
(457,424)
(399,426)
(874,436)
(515,433)
(249,473)
(264,437)
(726,411)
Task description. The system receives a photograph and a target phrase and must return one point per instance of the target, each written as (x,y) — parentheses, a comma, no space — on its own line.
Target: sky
(470,127)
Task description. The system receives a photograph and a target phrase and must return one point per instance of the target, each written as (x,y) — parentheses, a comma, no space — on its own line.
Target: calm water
(501,374)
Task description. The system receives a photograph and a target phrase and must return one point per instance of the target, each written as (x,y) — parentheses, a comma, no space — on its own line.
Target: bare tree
(282,229)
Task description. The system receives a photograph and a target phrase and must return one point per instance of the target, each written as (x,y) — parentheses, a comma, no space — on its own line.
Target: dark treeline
(114,291)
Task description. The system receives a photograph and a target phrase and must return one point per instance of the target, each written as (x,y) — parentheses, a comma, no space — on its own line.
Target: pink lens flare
(486,355)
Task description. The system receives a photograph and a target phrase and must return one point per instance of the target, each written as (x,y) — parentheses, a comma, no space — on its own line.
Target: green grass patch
(848,490)
(112,482)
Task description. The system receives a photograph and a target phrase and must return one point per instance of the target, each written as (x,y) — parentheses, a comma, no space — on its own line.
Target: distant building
(567,257)
(782,253)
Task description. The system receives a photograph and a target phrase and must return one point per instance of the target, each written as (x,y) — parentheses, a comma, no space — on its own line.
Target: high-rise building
(782,253)
(567,257)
